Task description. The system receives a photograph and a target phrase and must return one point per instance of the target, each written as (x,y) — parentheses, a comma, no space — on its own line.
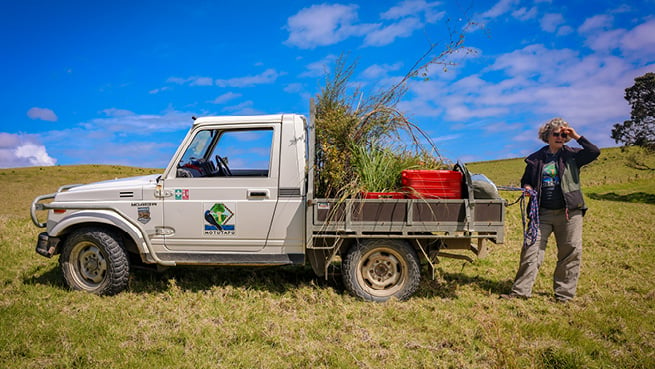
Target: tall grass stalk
(377,169)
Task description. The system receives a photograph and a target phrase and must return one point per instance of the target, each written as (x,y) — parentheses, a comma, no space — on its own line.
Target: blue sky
(116,82)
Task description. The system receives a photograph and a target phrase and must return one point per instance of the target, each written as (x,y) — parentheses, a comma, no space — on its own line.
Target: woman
(554,173)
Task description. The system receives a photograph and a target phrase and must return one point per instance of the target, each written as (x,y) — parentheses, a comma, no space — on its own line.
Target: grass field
(287,318)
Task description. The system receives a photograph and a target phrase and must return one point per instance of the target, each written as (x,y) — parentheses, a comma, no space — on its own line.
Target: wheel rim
(382,272)
(89,263)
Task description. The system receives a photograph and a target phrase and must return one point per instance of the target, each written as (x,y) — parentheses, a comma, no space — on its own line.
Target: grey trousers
(568,235)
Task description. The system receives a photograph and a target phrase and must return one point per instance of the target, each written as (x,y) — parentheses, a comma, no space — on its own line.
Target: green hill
(286,318)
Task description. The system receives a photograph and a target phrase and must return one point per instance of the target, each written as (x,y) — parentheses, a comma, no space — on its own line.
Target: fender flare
(104,217)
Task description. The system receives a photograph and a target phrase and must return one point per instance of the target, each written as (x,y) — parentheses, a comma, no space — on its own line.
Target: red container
(384,195)
(442,184)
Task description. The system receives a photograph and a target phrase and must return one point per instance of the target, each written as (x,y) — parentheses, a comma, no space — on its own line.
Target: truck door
(224,193)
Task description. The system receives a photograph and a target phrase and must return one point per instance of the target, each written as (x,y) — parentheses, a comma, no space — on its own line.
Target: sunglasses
(560,134)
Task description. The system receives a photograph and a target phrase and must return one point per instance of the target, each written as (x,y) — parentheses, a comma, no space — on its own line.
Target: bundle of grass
(362,144)
(377,169)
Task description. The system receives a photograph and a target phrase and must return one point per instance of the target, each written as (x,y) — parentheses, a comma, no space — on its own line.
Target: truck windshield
(198,147)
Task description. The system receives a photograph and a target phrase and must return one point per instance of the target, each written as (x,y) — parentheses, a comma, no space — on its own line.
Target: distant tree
(640,129)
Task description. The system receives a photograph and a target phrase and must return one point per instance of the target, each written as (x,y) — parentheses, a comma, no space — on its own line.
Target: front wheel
(378,270)
(93,260)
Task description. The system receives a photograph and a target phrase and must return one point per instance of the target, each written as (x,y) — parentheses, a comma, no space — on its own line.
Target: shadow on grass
(148,280)
(48,277)
(275,280)
(635,197)
(448,284)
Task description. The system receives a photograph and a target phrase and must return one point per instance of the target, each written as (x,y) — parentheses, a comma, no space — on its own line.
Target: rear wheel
(378,270)
(93,260)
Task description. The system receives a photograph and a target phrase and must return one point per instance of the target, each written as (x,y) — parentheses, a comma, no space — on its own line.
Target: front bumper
(47,246)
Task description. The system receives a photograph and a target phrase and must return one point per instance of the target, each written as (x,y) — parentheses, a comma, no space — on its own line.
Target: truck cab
(233,193)
(235,186)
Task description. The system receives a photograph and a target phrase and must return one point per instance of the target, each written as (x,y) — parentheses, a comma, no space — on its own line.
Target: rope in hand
(531,231)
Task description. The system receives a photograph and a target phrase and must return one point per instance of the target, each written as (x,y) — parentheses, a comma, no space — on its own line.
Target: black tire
(94,260)
(378,270)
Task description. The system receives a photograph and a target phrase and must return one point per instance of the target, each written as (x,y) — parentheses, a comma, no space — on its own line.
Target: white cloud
(379,71)
(113,112)
(539,82)
(596,23)
(564,30)
(128,123)
(534,60)
(325,24)
(266,77)
(42,114)
(119,136)
(500,8)
(637,42)
(318,68)
(524,14)
(439,139)
(605,41)
(22,150)
(225,98)
(551,22)
(202,81)
(293,88)
(328,24)
(641,38)
(158,90)
(386,35)
(192,81)
(244,108)
(36,155)
(414,8)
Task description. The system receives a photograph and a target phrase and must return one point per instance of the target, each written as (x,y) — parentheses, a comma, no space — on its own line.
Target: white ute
(239,191)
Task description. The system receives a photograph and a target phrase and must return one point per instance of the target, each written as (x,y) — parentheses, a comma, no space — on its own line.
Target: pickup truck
(240,191)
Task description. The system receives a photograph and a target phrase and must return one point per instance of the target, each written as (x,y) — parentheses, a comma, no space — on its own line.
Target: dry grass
(286,318)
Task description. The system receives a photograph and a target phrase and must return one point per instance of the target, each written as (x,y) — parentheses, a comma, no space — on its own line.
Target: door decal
(219,219)
(181,194)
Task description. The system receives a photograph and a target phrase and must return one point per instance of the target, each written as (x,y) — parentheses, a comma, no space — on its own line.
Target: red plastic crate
(442,184)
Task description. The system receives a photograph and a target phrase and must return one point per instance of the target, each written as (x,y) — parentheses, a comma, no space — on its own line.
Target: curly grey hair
(550,126)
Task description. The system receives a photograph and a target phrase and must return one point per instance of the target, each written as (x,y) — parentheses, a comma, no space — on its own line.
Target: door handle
(258,194)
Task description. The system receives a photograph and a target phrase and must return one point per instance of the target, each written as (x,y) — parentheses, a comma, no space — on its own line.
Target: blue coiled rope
(531,224)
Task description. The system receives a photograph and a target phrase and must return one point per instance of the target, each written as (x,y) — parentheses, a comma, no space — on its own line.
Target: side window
(239,153)
(244,152)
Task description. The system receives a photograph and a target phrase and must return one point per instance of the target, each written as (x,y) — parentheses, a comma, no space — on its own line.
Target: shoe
(511,296)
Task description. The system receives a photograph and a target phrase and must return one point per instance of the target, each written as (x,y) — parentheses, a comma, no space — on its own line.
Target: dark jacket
(570,161)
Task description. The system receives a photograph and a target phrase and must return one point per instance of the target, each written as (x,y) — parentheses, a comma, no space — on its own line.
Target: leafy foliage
(640,129)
